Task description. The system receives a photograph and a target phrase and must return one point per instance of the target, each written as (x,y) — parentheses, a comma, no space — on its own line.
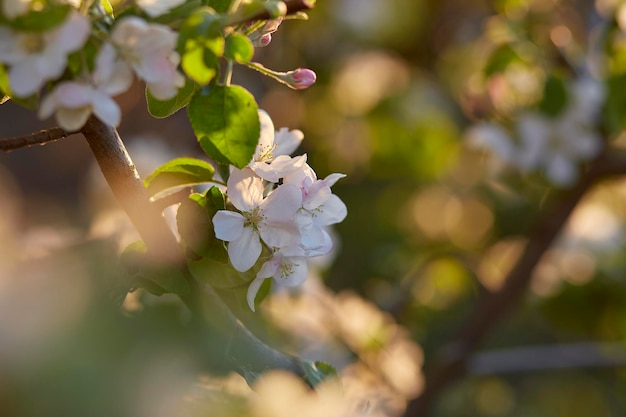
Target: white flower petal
(106,109)
(228,225)
(245,189)
(332,211)
(72,34)
(287,141)
(253,290)
(24,79)
(72,119)
(282,203)
(245,251)
(278,235)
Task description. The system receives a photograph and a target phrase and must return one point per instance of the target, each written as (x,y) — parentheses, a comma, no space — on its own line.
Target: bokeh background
(433,225)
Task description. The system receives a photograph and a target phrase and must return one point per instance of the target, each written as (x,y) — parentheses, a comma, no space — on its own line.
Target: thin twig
(490,311)
(38,138)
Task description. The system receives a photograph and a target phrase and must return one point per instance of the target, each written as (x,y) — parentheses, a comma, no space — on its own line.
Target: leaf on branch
(239,48)
(179,172)
(156,279)
(226,122)
(317,372)
(195,225)
(165,108)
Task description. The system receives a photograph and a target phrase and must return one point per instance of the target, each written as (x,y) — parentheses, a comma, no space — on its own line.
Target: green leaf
(165,108)
(156,279)
(108,8)
(201,25)
(219,274)
(239,48)
(317,372)
(220,6)
(195,224)
(500,59)
(614,115)
(41,20)
(226,122)
(555,96)
(199,63)
(179,172)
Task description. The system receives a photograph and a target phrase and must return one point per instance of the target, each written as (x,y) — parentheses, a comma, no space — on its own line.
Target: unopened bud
(301,78)
(264,40)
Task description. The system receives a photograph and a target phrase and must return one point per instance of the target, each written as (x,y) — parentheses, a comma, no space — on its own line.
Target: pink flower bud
(264,40)
(301,78)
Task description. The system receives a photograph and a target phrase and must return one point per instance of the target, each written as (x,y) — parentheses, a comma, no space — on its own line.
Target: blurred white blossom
(555,145)
(36,57)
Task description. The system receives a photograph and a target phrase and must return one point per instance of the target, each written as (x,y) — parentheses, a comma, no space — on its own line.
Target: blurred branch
(246,351)
(493,308)
(38,138)
(539,358)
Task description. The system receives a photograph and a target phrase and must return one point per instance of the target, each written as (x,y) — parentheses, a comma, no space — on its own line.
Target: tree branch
(452,363)
(38,138)
(246,352)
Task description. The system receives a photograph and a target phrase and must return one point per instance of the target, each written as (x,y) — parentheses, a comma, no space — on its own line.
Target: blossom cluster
(554,144)
(90,57)
(278,204)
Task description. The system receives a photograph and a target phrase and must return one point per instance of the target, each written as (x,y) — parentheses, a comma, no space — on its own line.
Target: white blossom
(37,57)
(149,48)
(271,160)
(154,8)
(268,218)
(288,267)
(74,101)
(556,145)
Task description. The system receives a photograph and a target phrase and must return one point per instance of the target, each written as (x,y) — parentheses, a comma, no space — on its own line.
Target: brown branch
(490,311)
(541,358)
(246,351)
(38,138)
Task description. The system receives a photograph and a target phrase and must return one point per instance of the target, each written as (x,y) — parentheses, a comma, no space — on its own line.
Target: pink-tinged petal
(245,189)
(73,95)
(47,106)
(287,141)
(106,109)
(282,203)
(169,89)
(25,80)
(72,34)
(72,119)
(315,195)
(269,268)
(331,179)
(332,211)
(245,251)
(253,290)
(297,177)
(128,30)
(228,225)
(10,41)
(156,68)
(278,235)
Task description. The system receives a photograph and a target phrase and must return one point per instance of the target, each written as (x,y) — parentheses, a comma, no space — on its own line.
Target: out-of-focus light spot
(471,222)
(401,363)
(620,16)
(367,78)
(494,398)
(285,106)
(444,281)
(498,261)
(427,209)
(596,225)
(546,279)
(578,266)
(352,146)
(561,36)
(606,7)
